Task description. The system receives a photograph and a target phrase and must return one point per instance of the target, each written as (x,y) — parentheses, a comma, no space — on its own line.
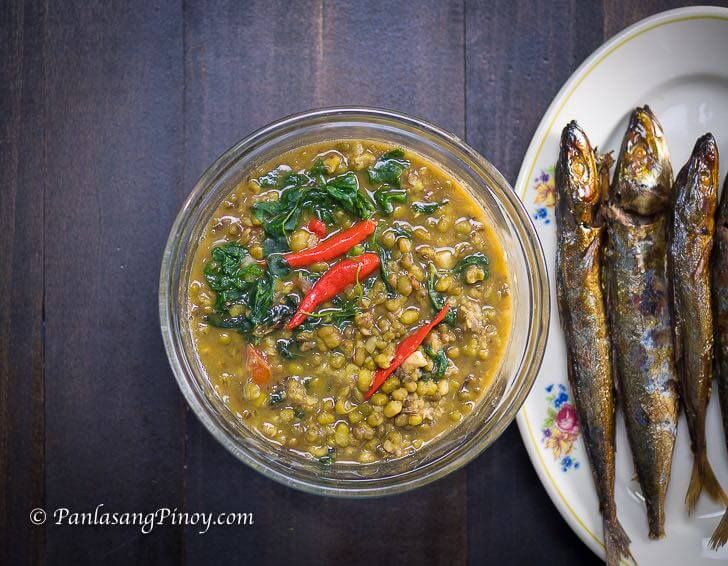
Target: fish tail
(712,485)
(720,535)
(694,487)
(701,477)
(656,518)
(616,542)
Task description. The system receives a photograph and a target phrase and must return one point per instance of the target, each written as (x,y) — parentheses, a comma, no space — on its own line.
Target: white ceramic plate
(677,62)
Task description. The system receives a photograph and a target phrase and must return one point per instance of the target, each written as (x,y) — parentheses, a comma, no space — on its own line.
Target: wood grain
(511,80)
(114,135)
(110,114)
(619,15)
(23,173)
(512,77)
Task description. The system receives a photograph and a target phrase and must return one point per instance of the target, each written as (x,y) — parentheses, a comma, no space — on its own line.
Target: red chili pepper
(405,349)
(315,226)
(334,246)
(335,280)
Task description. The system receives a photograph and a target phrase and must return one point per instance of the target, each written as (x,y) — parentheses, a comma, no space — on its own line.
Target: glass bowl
(529,285)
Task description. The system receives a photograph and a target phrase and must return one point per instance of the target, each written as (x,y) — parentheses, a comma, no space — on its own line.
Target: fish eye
(639,151)
(578,168)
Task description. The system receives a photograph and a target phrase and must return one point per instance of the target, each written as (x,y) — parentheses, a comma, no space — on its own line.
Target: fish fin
(701,477)
(604,162)
(694,488)
(720,535)
(712,485)
(616,542)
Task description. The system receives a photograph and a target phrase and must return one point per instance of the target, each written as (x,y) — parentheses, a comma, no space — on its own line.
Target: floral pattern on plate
(561,427)
(545,197)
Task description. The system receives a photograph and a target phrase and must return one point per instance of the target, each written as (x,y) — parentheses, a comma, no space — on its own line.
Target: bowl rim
(539,286)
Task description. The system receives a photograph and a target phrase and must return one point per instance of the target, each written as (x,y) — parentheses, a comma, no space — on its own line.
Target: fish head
(577,177)
(697,184)
(643,176)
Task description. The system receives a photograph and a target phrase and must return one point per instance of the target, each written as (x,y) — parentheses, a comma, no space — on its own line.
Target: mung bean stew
(349,301)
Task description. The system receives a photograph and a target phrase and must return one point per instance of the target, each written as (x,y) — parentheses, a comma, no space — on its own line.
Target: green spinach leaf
(386,196)
(277,396)
(281,177)
(400,231)
(384,258)
(428,207)
(388,168)
(344,191)
(287,348)
(437,300)
(275,317)
(280,217)
(322,197)
(479,259)
(317,168)
(342,312)
(440,364)
(240,323)
(228,274)
(236,281)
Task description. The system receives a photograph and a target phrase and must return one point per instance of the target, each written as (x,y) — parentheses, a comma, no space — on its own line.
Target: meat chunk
(470,313)
(416,360)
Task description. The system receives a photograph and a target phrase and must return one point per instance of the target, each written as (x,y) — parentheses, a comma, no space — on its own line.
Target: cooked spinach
(277,265)
(440,363)
(322,197)
(400,231)
(385,196)
(273,250)
(219,320)
(385,272)
(388,168)
(479,259)
(318,167)
(384,257)
(428,207)
(277,245)
(437,300)
(287,348)
(342,311)
(262,298)
(225,265)
(276,317)
(299,413)
(277,396)
(279,217)
(233,275)
(245,285)
(344,191)
(275,178)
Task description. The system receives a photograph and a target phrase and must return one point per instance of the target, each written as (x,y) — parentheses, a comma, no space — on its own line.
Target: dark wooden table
(109,113)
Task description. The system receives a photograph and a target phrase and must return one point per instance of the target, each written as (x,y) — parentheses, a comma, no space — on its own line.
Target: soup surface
(362,377)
